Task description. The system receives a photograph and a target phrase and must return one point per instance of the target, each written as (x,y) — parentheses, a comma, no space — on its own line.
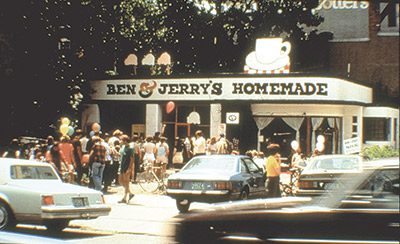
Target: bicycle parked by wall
(152,179)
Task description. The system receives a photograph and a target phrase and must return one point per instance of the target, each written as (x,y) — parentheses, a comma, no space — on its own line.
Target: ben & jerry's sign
(288,88)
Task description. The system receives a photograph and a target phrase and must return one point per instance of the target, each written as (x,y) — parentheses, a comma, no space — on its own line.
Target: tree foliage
(209,36)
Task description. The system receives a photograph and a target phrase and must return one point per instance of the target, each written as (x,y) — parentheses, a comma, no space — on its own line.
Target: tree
(214,36)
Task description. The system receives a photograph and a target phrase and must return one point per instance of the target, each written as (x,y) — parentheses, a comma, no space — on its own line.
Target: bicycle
(149,181)
(291,188)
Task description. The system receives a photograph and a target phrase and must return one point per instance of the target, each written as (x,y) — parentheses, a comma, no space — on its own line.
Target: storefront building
(267,103)
(252,110)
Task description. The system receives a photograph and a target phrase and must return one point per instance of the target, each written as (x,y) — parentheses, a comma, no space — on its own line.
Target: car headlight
(223,185)
(47,200)
(174,184)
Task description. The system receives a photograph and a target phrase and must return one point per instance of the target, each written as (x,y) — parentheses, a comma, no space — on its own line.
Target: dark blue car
(216,178)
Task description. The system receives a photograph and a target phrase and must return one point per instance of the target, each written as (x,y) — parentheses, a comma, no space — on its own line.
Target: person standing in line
(49,142)
(76,143)
(259,159)
(127,161)
(199,144)
(14,150)
(67,149)
(107,174)
(115,137)
(297,159)
(98,156)
(84,140)
(116,159)
(56,159)
(149,150)
(187,150)
(177,159)
(212,147)
(162,152)
(221,145)
(137,156)
(273,168)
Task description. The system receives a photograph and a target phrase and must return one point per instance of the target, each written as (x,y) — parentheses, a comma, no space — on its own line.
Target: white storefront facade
(303,104)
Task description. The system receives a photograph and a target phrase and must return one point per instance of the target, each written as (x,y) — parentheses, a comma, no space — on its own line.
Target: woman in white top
(149,150)
(199,144)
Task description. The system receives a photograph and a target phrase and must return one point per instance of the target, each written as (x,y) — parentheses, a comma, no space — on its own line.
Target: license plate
(197,186)
(331,186)
(78,201)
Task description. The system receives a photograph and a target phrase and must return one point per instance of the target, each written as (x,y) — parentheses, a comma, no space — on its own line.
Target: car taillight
(307,184)
(102,199)
(47,200)
(174,184)
(223,185)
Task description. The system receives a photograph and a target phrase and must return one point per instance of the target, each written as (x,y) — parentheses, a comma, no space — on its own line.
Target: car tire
(244,194)
(7,220)
(56,225)
(183,205)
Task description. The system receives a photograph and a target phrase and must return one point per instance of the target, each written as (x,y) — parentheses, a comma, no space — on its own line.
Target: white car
(32,192)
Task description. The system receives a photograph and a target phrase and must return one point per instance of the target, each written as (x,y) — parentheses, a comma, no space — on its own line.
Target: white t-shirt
(199,145)
(149,151)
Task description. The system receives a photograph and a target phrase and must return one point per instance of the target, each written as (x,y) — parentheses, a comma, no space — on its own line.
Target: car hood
(201,175)
(50,186)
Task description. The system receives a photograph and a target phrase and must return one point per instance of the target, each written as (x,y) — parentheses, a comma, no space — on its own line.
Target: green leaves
(377,152)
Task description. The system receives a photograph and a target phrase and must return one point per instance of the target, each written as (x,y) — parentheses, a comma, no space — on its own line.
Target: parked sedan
(321,173)
(32,192)
(364,210)
(216,178)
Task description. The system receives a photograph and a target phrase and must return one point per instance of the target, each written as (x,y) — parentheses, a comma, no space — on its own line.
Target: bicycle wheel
(148,182)
(286,190)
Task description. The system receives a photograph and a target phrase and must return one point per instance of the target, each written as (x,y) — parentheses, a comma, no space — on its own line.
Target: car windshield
(342,163)
(212,164)
(32,172)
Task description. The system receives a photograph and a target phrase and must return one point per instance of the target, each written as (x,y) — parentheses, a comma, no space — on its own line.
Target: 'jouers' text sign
(211,89)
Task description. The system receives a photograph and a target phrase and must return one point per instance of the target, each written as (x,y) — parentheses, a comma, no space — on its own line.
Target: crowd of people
(99,160)
(102,159)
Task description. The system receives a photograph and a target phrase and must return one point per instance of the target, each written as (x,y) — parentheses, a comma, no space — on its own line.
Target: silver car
(32,192)
(321,173)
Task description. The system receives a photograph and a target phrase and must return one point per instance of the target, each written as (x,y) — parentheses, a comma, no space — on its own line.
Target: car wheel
(56,225)
(183,205)
(6,217)
(244,194)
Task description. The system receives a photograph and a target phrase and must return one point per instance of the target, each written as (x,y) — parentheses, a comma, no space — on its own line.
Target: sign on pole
(351,146)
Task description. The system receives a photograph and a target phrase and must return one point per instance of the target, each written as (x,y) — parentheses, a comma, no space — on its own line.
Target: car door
(257,177)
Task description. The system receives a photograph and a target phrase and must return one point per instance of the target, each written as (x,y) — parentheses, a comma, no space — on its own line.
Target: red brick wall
(374,61)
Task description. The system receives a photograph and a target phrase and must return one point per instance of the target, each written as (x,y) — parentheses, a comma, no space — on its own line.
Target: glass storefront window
(376,129)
